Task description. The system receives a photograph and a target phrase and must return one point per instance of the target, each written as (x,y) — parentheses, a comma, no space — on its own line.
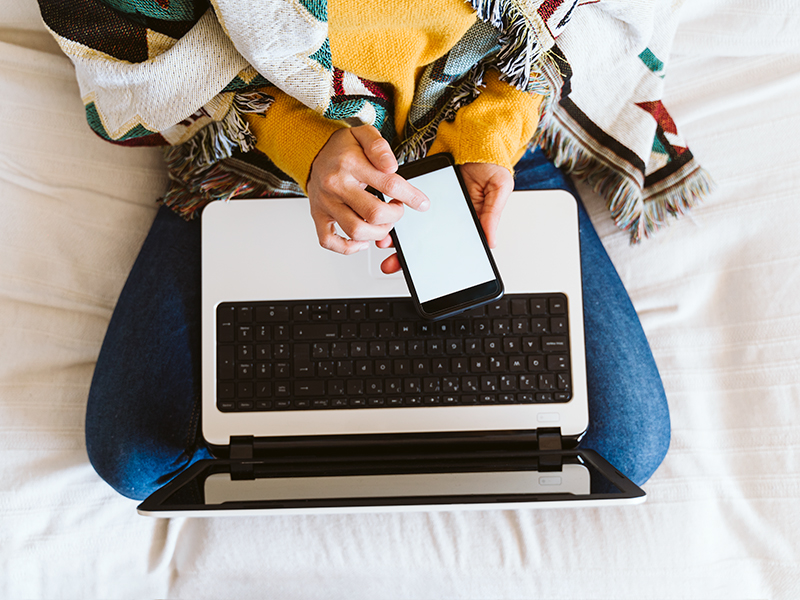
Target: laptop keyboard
(378,353)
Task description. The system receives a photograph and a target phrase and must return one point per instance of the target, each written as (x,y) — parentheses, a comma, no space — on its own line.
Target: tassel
(519,48)
(188,196)
(196,167)
(625,199)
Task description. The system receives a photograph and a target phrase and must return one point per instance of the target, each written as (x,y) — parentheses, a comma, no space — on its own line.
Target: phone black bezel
(463,300)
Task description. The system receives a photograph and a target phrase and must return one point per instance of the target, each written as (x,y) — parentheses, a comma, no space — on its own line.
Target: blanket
(182,74)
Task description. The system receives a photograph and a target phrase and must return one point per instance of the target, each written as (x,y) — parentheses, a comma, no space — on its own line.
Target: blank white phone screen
(441,246)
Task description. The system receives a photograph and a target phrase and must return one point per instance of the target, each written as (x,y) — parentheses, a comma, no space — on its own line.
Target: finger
(493,205)
(386,242)
(372,209)
(397,188)
(391,265)
(331,240)
(375,147)
(490,224)
(355,227)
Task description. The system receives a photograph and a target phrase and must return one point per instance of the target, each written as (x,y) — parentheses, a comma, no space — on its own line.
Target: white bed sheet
(719,297)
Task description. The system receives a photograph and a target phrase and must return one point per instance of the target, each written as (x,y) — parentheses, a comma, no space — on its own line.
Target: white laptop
(323,391)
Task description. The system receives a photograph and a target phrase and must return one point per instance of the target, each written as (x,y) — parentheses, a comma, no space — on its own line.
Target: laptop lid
(384,483)
(256,250)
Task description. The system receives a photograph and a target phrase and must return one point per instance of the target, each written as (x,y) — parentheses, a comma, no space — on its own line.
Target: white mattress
(718,294)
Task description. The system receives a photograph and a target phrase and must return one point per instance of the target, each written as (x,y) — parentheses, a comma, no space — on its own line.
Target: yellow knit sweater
(392,42)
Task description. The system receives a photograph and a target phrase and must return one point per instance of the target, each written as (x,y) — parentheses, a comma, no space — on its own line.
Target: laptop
(323,391)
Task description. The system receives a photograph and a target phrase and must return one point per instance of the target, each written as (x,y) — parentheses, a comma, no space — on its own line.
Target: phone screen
(442,249)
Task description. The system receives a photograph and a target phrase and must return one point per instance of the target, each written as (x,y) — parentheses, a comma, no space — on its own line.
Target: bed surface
(718,293)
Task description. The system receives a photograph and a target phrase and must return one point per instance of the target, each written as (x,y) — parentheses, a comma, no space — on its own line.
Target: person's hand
(489,187)
(351,160)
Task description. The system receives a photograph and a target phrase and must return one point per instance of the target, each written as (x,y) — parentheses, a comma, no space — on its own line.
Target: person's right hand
(352,159)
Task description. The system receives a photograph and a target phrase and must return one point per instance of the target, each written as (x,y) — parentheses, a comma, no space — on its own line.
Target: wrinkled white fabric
(717,294)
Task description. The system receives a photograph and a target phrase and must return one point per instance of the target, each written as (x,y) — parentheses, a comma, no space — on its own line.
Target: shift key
(554,343)
(316,331)
(314,387)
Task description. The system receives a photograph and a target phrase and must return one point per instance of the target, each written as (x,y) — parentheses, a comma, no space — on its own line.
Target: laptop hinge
(550,439)
(241,455)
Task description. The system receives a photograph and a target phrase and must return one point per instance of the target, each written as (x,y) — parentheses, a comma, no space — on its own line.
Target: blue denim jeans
(143,413)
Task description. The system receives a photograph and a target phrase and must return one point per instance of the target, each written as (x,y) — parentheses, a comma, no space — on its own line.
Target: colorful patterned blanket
(181,74)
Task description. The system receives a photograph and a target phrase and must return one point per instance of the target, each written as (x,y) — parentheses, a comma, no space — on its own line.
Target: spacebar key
(309,388)
(316,331)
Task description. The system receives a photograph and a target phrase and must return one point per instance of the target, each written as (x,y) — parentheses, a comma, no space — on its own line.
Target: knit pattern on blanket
(181,74)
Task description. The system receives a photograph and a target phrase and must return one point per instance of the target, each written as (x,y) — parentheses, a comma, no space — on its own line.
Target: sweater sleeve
(495,128)
(291,134)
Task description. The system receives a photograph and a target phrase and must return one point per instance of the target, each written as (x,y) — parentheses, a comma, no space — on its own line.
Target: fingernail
(425,205)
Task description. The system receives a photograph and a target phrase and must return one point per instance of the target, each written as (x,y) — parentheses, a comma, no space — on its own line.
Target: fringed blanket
(182,74)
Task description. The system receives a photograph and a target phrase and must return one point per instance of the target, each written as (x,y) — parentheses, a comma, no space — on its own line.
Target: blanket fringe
(518,44)
(188,197)
(220,139)
(631,211)
(195,172)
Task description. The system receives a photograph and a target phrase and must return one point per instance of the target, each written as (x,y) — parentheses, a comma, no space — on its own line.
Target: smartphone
(446,261)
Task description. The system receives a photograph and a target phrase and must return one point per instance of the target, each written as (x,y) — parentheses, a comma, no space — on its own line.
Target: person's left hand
(489,187)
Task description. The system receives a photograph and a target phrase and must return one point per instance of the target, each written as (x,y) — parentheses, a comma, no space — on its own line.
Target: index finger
(394,187)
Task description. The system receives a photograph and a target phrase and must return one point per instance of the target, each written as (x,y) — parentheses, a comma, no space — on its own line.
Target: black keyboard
(378,353)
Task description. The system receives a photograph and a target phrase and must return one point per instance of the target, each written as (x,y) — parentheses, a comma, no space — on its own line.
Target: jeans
(143,412)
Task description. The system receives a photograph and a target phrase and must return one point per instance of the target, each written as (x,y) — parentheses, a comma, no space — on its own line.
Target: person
(142,422)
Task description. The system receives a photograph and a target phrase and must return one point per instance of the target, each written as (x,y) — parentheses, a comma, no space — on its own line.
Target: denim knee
(135,469)
(630,426)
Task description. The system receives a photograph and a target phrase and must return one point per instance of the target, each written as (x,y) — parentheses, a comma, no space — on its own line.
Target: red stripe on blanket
(660,114)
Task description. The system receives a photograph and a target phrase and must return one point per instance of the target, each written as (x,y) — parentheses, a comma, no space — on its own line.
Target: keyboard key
(377,349)
(263,370)
(225,362)
(554,343)
(358,311)
(309,388)
(412,385)
(355,387)
(519,306)
(538,306)
(558,325)
(557,362)
(272,314)
(379,310)
(558,306)
(498,308)
(316,331)
(547,381)
(489,383)
(225,323)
